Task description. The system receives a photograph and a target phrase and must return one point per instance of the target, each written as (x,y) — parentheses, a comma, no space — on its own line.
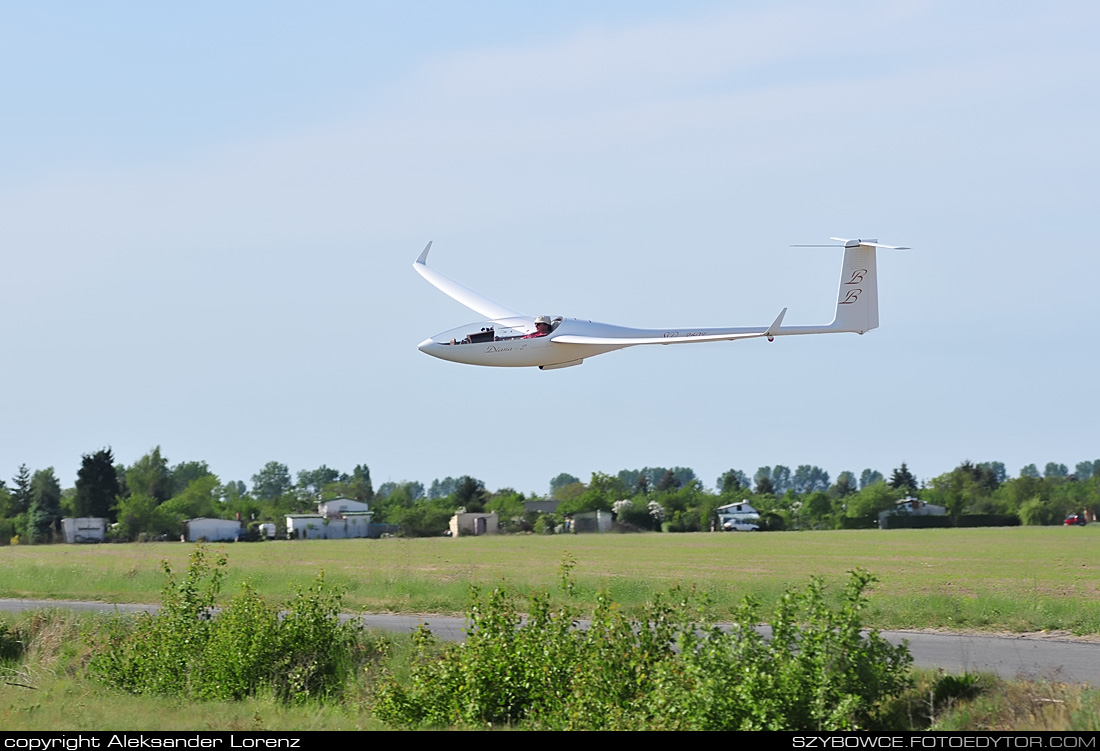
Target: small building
(84,529)
(267,530)
(211,530)
(589,521)
(910,506)
(336,527)
(474,524)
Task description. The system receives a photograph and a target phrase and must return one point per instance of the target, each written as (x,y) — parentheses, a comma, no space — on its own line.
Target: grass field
(1006,579)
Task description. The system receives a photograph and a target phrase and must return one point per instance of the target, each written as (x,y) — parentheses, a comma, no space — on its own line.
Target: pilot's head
(542,323)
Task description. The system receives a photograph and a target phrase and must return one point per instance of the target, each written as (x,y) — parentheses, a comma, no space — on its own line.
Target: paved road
(1009,657)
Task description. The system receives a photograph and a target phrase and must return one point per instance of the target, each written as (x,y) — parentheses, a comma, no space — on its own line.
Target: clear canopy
(490,331)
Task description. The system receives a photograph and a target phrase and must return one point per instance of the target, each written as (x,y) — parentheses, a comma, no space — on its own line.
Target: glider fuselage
(506,344)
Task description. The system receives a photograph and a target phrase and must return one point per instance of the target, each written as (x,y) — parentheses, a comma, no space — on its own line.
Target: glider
(512,339)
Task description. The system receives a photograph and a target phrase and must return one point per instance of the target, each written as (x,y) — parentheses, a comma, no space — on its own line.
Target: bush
(186,651)
(672,670)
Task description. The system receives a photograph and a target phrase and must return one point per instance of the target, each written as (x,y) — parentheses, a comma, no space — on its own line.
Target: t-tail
(857,298)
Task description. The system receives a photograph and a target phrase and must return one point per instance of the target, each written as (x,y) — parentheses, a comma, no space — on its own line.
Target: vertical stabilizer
(857,298)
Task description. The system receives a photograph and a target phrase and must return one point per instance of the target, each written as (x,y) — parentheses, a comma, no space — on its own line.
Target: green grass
(1011,579)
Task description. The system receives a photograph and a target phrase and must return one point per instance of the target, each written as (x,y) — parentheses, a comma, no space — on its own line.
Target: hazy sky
(208,214)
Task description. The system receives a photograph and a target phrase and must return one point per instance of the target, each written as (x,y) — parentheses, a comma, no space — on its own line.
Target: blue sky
(209,215)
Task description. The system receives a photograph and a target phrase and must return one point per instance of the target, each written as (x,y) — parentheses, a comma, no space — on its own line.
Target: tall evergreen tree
(21,492)
(903,478)
(470,494)
(96,485)
(360,486)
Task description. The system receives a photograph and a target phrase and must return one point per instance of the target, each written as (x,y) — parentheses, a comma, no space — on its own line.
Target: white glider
(512,339)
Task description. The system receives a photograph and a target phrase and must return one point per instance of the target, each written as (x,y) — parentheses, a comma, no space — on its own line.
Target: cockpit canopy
(492,331)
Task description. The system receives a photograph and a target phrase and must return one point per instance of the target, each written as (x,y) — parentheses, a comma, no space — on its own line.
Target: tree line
(151,499)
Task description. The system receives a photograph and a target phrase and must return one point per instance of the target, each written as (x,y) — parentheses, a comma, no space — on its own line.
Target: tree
(764,484)
(845,484)
(781,479)
(140,515)
(445,487)
(21,493)
(96,485)
(996,471)
(45,508)
(470,494)
(561,481)
(1030,471)
(869,477)
(314,481)
(233,490)
(271,482)
(684,475)
(507,503)
(411,488)
(1055,471)
(601,493)
(184,473)
(199,499)
(149,475)
(731,481)
(869,501)
(668,482)
(810,479)
(1086,470)
(902,479)
(817,508)
(359,486)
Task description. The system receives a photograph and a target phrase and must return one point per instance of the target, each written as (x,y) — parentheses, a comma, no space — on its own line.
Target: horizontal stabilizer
(869,243)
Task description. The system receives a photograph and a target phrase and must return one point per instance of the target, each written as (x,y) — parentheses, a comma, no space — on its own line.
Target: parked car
(733,526)
(1073,519)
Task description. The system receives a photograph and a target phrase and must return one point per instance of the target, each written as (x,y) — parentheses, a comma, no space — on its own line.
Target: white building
(211,530)
(474,524)
(319,527)
(84,529)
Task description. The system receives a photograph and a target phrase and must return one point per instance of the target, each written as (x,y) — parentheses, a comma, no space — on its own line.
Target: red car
(1073,519)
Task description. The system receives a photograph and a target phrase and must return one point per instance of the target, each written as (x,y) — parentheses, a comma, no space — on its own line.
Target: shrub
(188,650)
(670,670)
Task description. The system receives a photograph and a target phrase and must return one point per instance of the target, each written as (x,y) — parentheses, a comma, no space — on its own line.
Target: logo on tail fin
(851,297)
(857,276)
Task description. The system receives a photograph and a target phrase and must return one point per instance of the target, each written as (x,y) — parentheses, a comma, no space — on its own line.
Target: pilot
(542,327)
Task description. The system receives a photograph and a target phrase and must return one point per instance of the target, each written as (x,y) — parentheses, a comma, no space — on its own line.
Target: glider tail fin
(857,298)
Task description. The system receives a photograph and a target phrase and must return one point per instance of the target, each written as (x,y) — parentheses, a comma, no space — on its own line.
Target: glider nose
(425,346)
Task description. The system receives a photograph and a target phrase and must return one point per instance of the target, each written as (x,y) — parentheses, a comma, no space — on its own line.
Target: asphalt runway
(1026,657)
